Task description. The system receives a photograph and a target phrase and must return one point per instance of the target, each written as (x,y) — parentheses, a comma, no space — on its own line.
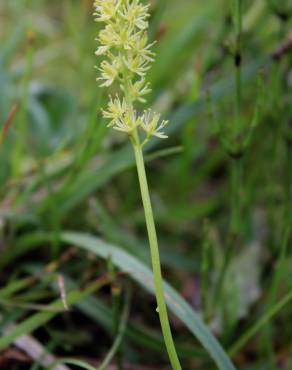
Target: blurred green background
(62,169)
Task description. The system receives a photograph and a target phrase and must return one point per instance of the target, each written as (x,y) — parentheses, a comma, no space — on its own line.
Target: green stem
(280,272)
(158,282)
(237,125)
(219,291)
(152,236)
(236,165)
(119,335)
(235,225)
(205,269)
(236,179)
(23,120)
(288,184)
(237,63)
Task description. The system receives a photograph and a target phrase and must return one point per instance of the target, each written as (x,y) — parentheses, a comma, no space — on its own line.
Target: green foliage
(220,187)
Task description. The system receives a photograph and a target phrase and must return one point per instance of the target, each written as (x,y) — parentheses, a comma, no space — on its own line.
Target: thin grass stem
(120,333)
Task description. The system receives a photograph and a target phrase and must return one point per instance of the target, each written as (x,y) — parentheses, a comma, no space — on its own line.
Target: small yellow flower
(135,14)
(122,119)
(116,110)
(150,124)
(139,89)
(105,9)
(109,72)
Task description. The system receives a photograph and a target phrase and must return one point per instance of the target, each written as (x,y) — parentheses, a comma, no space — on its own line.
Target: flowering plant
(123,42)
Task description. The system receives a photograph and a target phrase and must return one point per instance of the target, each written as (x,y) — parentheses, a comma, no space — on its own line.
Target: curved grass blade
(260,323)
(72,361)
(35,321)
(143,275)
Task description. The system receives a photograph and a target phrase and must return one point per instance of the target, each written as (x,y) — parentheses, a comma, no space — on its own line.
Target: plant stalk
(155,258)
(235,155)
(23,120)
(152,236)
(236,180)
(237,63)
(288,184)
(236,165)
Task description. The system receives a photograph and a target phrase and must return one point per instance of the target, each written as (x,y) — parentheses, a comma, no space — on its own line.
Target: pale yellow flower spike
(123,43)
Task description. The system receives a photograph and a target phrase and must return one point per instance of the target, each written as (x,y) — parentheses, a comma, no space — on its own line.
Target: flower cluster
(127,56)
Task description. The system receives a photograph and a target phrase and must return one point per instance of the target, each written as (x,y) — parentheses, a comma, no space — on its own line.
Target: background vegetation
(222,202)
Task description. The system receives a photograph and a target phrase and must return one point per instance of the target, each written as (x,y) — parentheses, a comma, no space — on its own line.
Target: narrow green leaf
(40,318)
(260,323)
(72,361)
(143,275)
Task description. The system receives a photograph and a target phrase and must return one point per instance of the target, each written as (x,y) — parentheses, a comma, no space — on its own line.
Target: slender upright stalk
(158,282)
(236,161)
(23,121)
(152,236)
(236,181)
(205,268)
(237,63)
(235,154)
(119,334)
(123,43)
(288,184)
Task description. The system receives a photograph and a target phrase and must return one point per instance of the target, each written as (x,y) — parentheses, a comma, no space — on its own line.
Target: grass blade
(143,275)
(40,318)
(260,323)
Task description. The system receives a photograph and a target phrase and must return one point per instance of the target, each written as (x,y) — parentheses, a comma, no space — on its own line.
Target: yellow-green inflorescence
(123,43)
